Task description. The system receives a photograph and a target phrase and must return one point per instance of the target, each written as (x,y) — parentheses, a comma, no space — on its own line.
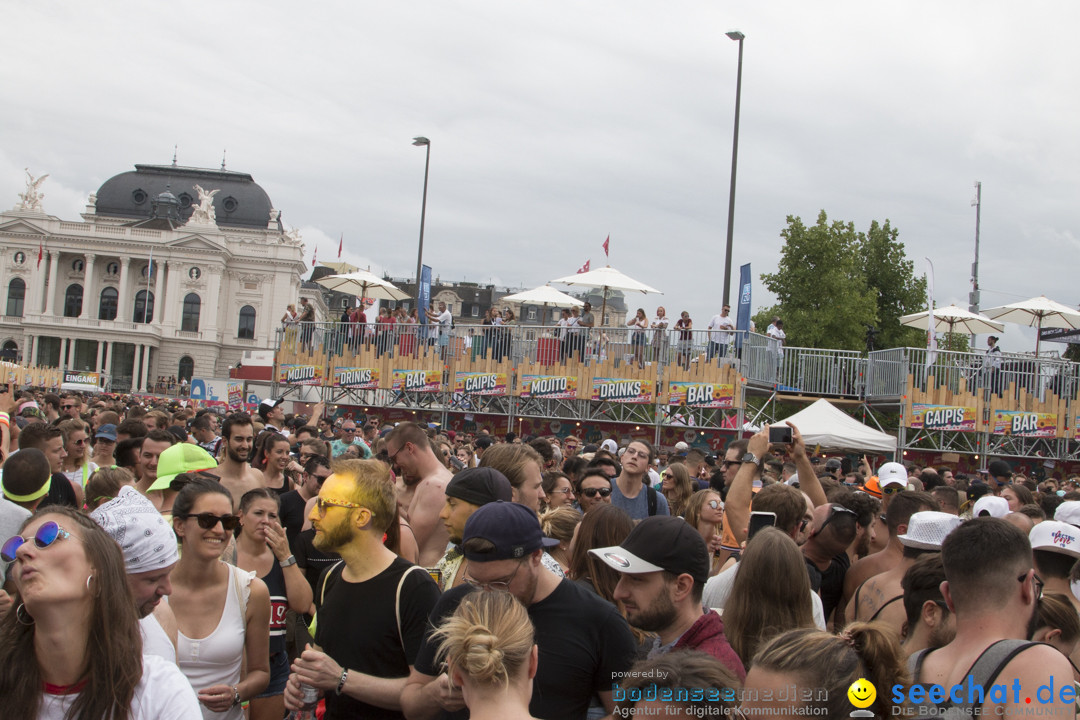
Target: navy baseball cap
(512,529)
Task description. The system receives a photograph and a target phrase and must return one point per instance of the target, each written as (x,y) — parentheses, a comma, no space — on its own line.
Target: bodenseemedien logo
(862,694)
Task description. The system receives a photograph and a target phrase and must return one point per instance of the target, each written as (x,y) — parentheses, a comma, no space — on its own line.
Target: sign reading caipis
(558,387)
(357,378)
(480,383)
(417,380)
(300,374)
(623,391)
(706,395)
(942,417)
(1025,424)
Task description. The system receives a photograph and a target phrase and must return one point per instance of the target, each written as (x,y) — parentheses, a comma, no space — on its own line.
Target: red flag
(340,244)
(40,252)
(584,268)
(314,255)
(606,246)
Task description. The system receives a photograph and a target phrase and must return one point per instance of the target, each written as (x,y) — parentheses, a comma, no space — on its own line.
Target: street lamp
(738,36)
(422,141)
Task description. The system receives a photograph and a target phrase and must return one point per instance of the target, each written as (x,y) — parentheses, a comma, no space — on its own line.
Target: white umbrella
(1037,312)
(341,268)
(543,295)
(607,278)
(363,284)
(952,318)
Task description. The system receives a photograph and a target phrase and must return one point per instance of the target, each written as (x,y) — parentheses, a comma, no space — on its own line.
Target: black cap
(999,468)
(976,490)
(484,442)
(512,529)
(480,486)
(661,542)
(833,464)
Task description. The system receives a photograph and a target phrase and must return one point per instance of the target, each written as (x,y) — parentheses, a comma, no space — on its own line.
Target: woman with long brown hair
(71,646)
(272,458)
(705,511)
(676,486)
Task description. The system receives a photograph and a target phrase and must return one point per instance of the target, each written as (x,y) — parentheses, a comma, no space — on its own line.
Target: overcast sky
(556,123)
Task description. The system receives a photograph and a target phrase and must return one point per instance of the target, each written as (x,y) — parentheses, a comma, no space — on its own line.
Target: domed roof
(241,202)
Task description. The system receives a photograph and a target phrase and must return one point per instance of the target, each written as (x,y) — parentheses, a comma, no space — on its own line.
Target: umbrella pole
(1038,333)
(603,309)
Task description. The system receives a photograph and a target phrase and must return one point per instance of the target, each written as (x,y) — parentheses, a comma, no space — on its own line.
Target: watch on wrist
(291,560)
(751,458)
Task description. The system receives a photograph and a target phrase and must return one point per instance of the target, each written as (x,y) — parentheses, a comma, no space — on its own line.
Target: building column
(159,304)
(51,284)
(28,350)
(109,358)
(145,366)
(88,285)
(212,303)
(123,312)
(100,351)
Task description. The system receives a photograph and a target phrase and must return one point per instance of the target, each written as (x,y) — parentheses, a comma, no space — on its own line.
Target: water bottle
(307,709)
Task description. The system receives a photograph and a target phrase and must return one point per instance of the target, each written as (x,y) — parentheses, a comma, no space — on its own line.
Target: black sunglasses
(593,492)
(207,521)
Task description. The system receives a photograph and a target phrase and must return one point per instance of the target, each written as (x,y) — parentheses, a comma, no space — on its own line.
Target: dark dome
(241,202)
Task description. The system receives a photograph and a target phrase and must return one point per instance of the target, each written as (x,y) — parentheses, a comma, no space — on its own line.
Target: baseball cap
(181,458)
(512,529)
(1068,512)
(991,505)
(833,464)
(269,404)
(106,431)
(480,486)
(892,473)
(1056,537)
(999,468)
(871,487)
(681,447)
(660,543)
(611,446)
(927,530)
(484,442)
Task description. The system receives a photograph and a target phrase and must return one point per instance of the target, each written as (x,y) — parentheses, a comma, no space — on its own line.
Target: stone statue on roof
(203,213)
(31,199)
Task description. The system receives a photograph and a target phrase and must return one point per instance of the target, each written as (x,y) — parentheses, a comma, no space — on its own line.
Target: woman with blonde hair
(705,511)
(677,488)
(490,653)
(104,485)
(770,595)
(560,524)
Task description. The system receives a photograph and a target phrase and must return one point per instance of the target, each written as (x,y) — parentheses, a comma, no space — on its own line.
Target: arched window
(144,307)
(73,300)
(16,294)
(107,304)
(10,351)
(246,330)
(186,369)
(189,321)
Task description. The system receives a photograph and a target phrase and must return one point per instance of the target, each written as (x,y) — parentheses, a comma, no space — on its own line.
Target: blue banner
(742,320)
(424,299)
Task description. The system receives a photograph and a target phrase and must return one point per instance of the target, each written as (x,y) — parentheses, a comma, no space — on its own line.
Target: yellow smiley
(862,693)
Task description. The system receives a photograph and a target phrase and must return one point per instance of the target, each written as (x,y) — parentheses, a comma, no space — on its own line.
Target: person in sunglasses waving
(222,612)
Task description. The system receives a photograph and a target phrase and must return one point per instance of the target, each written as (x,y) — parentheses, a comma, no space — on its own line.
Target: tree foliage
(833,283)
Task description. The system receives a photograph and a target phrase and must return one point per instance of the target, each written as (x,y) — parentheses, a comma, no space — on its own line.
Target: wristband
(341,682)
(236,695)
(4,418)
(288,562)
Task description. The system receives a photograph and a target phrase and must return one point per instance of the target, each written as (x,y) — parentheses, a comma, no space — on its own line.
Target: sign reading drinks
(417,380)
(300,374)
(706,395)
(1025,424)
(82,378)
(623,391)
(942,417)
(562,387)
(480,383)
(357,378)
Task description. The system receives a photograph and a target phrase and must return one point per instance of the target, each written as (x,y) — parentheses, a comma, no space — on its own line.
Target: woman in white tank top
(221,612)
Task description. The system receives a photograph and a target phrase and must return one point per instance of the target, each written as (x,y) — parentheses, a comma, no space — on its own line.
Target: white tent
(823,424)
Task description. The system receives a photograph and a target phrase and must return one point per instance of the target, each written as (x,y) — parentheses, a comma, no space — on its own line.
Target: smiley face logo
(862,693)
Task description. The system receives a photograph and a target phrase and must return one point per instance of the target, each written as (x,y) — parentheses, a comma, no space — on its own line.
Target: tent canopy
(825,425)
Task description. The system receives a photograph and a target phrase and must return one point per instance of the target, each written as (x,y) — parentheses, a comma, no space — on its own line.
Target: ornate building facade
(173,271)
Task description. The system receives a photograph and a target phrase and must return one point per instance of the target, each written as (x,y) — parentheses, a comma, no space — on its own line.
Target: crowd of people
(167,562)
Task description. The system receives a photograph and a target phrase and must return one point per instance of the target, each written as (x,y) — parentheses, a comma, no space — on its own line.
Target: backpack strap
(397,601)
(326,580)
(983,671)
(652,499)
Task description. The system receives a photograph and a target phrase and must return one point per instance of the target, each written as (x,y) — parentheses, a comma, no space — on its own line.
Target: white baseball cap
(892,473)
(681,446)
(1056,537)
(1068,512)
(991,505)
(609,445)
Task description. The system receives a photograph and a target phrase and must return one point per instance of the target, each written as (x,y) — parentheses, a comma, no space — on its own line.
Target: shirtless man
(409,451)
(235,472)
(155,443)
(993,590)
(881,597)
(871,596)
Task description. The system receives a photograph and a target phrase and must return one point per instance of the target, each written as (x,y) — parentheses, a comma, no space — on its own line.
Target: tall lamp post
(422,141)
(734,35)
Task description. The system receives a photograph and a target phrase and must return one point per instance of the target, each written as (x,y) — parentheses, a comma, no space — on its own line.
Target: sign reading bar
(549,386)
(300,374)
(480,383)
(623,391)
(942,417)
(706,395)
(357,378)
(417,380)
(82,378)
(1025,424)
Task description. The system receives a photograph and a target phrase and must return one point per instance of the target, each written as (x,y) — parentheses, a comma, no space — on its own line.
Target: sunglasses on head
(593,492)
(207,521)
(45,536)
(833,512)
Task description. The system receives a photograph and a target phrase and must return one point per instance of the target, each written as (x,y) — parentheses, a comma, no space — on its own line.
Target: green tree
(820,285)
(887,270)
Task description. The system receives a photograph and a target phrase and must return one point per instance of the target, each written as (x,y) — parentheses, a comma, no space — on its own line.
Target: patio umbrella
(952,318)
(607,278)
(544,295)
(1037,312)
(341,268)
(363,284)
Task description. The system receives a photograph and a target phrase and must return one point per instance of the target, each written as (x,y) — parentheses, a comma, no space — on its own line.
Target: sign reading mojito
(357,378)
(417,380)
(300,374)
(549,386)
(480,383)
(705,395)
(943,417)
(623,391)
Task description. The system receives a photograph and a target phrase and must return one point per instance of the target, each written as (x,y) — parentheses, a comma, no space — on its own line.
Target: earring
(19,612)
(88,579)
